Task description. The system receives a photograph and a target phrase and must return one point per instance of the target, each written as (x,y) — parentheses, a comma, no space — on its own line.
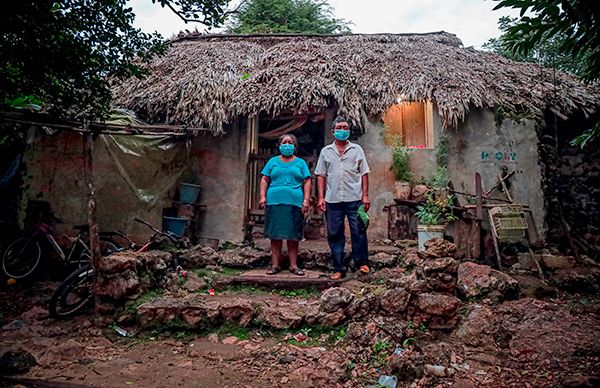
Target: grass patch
(245,289)
(233,330)
(298,293)
(228,271)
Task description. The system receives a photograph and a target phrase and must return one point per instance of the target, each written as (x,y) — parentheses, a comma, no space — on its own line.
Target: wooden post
(88,148)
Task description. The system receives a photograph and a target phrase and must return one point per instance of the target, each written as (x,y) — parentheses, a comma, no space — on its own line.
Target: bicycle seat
(82,228)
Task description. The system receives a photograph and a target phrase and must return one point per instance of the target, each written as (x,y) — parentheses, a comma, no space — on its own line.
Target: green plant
(401,162)
(436,211)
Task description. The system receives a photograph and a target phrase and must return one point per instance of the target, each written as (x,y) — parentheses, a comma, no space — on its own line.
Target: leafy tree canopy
(546,52)
(59,54)
(287,16)
(572,25)
(565,34)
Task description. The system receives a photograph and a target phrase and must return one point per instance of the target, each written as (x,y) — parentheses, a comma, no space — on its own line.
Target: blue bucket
(188,193)
(175,225)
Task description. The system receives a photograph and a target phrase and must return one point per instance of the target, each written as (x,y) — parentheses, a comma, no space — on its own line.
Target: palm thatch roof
(205,80)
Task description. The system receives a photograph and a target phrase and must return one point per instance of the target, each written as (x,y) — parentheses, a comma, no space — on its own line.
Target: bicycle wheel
(74,294)
(21,257)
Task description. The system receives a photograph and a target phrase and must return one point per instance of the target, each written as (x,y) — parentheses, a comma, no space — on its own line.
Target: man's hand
(321,204)
(366,203)
(262,203)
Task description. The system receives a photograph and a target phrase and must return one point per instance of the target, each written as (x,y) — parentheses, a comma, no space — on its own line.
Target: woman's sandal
(273,270)
(297,271)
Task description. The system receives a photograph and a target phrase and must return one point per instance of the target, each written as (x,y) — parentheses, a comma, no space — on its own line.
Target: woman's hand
(262,203)
(305,206)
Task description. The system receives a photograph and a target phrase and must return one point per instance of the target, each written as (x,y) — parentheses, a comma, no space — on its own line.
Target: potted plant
(402,172)
(433,215)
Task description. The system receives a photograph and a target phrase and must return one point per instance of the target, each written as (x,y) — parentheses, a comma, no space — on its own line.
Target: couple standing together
(343,185)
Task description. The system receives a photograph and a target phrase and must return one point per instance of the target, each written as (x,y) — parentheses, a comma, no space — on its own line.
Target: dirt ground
(522,343)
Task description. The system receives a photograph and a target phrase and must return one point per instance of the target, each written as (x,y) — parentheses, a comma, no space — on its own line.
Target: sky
(473,21)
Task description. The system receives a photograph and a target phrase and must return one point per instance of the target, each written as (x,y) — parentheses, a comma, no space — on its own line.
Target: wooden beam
(88,149)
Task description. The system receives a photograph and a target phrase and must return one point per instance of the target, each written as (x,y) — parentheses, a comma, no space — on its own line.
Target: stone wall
(572,180)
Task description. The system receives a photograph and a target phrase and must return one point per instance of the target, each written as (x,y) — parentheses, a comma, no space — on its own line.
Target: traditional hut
(423,87)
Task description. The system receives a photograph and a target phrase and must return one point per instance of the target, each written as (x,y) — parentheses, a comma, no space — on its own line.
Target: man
(343,181)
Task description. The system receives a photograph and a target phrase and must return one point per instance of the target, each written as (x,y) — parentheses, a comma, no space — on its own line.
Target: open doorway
(263,136)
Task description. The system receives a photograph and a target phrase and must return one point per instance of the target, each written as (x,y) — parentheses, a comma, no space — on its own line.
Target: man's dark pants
(335,214)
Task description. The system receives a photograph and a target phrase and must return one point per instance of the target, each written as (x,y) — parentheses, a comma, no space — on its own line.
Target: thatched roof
(205,80)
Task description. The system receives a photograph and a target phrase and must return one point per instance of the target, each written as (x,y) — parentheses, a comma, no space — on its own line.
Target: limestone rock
(437,304)
(281,316)
(362,305)
(437,247)
(238,311)
(124,285)
(199,258)
(193,282)
(119,262)
(382,260)
(243,258)
(336,298)
(201,311)
(395,301)
(475,280)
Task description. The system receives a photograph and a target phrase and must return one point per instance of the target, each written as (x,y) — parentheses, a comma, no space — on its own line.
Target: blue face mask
(286,149)
(341,134)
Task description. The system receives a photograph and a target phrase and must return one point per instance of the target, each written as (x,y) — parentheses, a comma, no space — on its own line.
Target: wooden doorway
(263,133)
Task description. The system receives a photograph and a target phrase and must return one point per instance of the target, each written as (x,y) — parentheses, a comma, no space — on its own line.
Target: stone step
(284,280)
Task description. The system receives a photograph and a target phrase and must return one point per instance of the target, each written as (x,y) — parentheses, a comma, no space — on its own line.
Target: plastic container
(188,193)
(427,232)
(176,225)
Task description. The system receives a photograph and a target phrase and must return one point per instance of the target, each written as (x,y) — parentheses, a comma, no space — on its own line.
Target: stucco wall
(517,143)
(54,173)
(220,164)
(479,145)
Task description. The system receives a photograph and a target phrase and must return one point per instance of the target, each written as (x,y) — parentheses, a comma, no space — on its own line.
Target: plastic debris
(14,325)
(211,292)
(300,337)
(386,381)
(438,371)
(399,351)
(122,332)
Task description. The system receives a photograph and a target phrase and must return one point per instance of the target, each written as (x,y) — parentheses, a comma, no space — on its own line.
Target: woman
(285,191)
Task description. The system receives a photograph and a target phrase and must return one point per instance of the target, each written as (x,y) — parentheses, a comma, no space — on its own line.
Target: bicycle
(23,255)
(75,293)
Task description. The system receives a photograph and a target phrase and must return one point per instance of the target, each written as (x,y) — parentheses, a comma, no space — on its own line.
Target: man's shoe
(364,269)
(337,276)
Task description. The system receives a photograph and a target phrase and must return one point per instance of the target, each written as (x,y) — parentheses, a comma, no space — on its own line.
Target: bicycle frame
(45,230)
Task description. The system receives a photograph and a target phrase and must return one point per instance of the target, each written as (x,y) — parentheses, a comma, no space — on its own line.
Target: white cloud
(473,21)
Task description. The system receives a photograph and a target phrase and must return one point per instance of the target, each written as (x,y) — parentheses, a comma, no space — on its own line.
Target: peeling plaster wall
(54,173)
(516,144)
(220,164)
(479,145)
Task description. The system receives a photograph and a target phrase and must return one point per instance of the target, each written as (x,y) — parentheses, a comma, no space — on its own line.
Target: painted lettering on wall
(498,156)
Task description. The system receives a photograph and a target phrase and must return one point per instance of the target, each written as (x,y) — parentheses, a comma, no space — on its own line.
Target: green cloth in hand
(364,217)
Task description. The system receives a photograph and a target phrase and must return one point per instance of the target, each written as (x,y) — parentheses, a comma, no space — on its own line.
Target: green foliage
(60,55)
(287,16)
(557,33)
(573,24)
(380,354)
(587,136)
(406,343)
(437,210)
(230,329)
(546,52)
(299,292)
(401,162)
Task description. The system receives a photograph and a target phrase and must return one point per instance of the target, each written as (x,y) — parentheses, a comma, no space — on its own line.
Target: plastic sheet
(151,165)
